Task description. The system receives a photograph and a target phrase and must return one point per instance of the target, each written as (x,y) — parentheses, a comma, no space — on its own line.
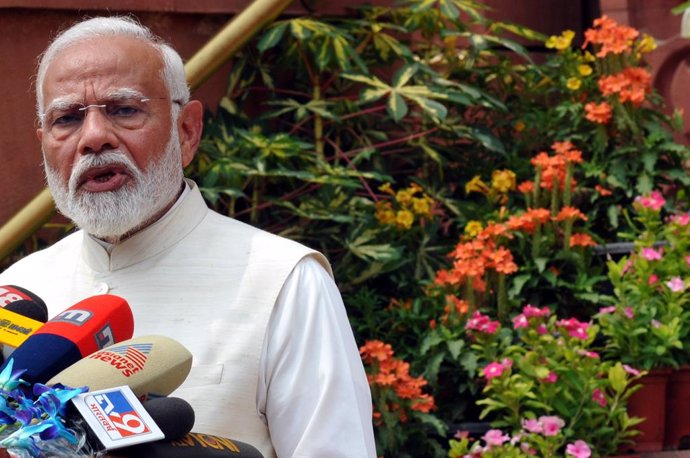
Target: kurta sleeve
(312,390)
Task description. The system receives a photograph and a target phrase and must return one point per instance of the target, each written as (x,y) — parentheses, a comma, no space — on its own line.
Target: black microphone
(24,302)
(14,330)
(192,445)
(174,416)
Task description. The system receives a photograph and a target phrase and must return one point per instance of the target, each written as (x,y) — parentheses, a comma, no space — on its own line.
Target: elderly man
(275,361)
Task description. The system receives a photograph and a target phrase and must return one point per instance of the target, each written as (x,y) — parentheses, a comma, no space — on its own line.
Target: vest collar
(150,241)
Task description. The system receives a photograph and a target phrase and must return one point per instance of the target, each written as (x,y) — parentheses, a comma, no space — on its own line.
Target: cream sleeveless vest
(207,281)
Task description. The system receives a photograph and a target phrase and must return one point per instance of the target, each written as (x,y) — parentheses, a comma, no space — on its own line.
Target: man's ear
(189,127)
(39,134)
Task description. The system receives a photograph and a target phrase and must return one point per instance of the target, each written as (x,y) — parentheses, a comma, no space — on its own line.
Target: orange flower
(611,36)
(581,240)
(602,191)
(542,160)
(570,213)
(376,350)
(503,261)
(538,215)
(600,113)
(526,187)
(423,403)
(562,147)
(631,85)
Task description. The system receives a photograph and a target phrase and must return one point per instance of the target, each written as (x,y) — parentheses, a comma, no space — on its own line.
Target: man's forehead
(102,67)
(117,94)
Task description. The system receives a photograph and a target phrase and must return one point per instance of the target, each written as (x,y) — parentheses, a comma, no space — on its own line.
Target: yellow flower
(404,219)
(385,213)
(386,188)
(472,228)
(476,185)
(584,70)
(573,83)
(502,180)
(560,42)
(422,205)
(404,196)
(646,44)
(589,57)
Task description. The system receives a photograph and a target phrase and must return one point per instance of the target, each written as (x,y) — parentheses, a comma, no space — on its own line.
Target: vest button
(102,288)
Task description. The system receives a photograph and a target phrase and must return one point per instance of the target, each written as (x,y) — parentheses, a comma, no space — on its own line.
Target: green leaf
(403,75)
(455,347)
(396,106)
(272,36)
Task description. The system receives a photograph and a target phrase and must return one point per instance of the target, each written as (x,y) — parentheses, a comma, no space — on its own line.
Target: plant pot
(649,402)
(677,435)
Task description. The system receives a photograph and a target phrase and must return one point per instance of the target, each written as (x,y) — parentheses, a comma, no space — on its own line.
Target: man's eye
(66,119)
(123,111)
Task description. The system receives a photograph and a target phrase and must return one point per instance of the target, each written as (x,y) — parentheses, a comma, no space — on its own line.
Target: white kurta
(275,362)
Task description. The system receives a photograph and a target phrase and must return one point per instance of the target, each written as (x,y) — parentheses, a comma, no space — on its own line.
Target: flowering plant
(398,397)
(648,322)
(538,437)
(34,415)
(552,370)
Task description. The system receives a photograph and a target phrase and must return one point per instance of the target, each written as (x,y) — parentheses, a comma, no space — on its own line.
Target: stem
(502,297)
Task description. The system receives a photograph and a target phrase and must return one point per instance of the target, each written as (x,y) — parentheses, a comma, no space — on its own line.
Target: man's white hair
(173,68)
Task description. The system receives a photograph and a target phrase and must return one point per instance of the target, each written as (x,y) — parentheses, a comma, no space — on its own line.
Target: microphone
(192,445)
(150,365)
(89,325)
(174,416)
(24,302)
(22,313)
(109,425)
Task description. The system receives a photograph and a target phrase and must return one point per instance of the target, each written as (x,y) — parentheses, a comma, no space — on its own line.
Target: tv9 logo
(117,415)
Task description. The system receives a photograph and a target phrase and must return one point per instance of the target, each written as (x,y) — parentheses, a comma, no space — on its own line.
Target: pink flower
(607,310)
(650,254)
(598,397)
(520,321)
(575,328)
(631,370)
(654,201)
(551,424)
(551,378)
(628,312)
(541,329)
(589,354)
(495,437)
(482,323)
(687,260)
(533,426)
(653,279)
(532,311)
(656,324)
(676,284)
(578,449)
(493,370)
(682,219)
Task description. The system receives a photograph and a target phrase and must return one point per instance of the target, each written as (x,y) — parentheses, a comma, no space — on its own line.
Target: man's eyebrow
(69,101)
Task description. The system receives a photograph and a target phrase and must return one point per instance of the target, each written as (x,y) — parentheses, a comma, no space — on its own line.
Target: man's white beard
(113,214)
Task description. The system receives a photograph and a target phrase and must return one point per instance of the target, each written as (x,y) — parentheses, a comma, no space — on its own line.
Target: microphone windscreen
(149,365)
(11,293)
(192,445)
(82,329)
(174,416)
(29,309)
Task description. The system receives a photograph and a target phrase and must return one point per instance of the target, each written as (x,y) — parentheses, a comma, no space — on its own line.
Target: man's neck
(114,240)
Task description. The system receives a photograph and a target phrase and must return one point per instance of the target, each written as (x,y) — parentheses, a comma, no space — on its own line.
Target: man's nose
(97,132)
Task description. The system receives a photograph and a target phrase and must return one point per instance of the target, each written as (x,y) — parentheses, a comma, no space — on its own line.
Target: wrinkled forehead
(96,68)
